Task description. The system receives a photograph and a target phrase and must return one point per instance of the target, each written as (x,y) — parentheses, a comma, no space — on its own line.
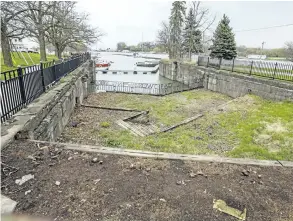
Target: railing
(21,86)
(140,88)
(269,69)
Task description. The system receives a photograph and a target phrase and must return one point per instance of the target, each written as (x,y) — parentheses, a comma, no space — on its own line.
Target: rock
(24,179)
(96,181)
(95,160)
(138,166)
(132,166)
(180,182)
(74,124)
(100,162)
(245,173)
(163,200)
(148,169)
(198,138)
(260,182)
(259,176)
(200,173)
(57,183)
(192,175)
(69,158)
(27,192)
(30,157)
(51,164)
(45,150)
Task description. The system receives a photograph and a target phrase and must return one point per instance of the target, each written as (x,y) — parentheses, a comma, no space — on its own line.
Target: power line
(256,29)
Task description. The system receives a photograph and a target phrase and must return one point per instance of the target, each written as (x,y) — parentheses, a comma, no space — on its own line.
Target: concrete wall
(226,82)
(45,118)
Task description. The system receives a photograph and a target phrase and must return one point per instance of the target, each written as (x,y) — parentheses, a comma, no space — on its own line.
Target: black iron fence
(21,86)
(140,88)
(270,69)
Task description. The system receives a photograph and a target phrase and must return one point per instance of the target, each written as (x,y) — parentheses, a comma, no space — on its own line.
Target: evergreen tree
(191,35)
(224,45)
(176,24)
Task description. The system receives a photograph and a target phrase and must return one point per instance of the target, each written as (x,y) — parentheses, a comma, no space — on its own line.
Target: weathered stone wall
(45,118)
(228,83)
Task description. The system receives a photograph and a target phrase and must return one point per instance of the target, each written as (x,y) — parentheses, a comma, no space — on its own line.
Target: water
(127,64)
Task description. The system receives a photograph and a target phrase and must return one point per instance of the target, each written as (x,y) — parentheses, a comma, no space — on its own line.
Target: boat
(102,63)
(146,64)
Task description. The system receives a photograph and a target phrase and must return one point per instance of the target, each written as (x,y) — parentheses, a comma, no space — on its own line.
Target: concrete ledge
(170,156)
(7,205)
(23,124)
(230,83)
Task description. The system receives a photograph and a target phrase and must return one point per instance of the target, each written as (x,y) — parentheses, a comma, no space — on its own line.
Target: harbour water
(124,63)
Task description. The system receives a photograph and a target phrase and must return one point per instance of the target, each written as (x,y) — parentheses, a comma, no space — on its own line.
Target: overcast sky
(128,20)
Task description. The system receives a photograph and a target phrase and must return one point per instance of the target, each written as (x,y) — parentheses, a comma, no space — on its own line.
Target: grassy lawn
(35,59)
(248,127)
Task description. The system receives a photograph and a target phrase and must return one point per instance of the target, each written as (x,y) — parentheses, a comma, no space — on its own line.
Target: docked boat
(146,64)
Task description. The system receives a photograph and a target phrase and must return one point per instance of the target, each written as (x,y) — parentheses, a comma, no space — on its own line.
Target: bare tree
(203,21)
(289,50)
(163,37)
(10,28)
(70,28)
(36,20)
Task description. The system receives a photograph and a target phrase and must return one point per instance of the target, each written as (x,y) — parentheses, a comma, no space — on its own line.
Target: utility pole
(262,44)
(142,42)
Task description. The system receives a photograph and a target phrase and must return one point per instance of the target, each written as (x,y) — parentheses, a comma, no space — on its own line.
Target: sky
(132,21)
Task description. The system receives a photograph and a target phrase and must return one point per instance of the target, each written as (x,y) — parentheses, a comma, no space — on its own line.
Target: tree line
(184,35)
(47,22)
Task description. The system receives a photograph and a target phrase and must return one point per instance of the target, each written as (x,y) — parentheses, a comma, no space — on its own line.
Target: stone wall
(227,82)
(45,118)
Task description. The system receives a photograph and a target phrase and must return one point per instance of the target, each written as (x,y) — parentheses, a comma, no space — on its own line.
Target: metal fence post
(42,76)
(275,70)
(233,64)
(54,70)
(220,62)
(21,84)
(251,68)
(208,62)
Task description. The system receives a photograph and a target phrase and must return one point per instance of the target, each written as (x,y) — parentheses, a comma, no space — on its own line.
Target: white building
(17,45)
(256,56)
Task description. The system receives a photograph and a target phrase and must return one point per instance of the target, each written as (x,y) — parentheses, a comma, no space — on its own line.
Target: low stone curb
(169,156)
(7,205)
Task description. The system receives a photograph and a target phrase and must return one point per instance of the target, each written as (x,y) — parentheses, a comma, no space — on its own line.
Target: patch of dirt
(85,124)
(113,187)
(276,127)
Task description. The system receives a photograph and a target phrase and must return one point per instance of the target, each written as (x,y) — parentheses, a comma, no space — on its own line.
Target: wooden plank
(136,128)
(136,115)
(181,123)
(164,155)
(111,108)
(133,130)
(123,125)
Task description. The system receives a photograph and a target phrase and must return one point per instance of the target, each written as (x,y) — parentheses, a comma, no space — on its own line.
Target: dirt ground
(127,188)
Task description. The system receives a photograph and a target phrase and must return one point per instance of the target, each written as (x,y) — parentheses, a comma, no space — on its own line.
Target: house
(18,45)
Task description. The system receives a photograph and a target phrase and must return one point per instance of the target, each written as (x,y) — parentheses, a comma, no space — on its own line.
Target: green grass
(257,129)
(169,109)
(105,124)
(20,61)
